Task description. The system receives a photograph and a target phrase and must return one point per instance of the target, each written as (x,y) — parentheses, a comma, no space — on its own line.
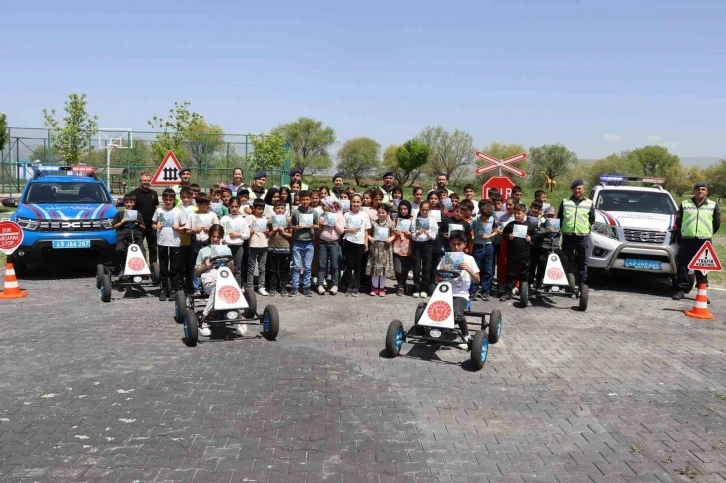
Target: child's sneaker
(465,345)
(241,329)
(204,330)
(415,295)
(382,292)
(400,291)
(356,293)
(333,290)
(308,292)
(171,296)
(423,295)
(262,292)
(515,291)
(162,293)
(321,290)
(374,292)
(292,293)
(484,297)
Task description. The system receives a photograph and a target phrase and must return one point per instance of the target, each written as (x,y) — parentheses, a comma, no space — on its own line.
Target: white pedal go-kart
(556,282)
(136,274)
(434,324)
(231,307)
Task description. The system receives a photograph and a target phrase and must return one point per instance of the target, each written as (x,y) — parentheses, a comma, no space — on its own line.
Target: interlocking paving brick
(631,390)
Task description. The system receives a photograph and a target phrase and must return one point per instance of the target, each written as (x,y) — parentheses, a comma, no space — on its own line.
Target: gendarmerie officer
(577,214)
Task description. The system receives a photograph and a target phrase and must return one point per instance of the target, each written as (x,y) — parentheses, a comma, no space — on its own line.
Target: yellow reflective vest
(697,221)
(576,217)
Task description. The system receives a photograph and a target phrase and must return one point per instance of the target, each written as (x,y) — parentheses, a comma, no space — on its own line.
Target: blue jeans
(328,253)
(302,256)
(484,258)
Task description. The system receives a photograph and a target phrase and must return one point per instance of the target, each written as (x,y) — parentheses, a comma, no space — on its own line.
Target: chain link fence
(212,158)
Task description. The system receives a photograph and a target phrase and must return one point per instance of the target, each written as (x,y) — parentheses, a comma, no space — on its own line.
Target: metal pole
(108,167)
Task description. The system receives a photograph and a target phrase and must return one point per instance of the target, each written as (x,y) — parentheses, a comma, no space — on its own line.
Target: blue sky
(599,77)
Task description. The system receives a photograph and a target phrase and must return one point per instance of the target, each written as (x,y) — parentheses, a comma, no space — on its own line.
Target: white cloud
(658,140)
(655,139)
(613,138)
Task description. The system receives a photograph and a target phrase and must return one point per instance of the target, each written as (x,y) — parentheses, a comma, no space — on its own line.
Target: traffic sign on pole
(705,259)
(168,171)
(11,236)
(500,164)
(501,183)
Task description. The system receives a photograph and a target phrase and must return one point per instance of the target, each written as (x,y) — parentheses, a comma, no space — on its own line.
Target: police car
(634,226)
(63,210)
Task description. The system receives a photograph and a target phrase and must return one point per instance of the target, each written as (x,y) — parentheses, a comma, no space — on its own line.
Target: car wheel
(394,338)
(584,296)
(106,288)
(251,298)
(495,326)
(420,308)
(270,322)
(479,350)
(191,327)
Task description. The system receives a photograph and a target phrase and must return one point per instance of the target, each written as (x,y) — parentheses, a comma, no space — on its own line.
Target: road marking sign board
(168,171)
(706,259)
(497,163)
(11,236)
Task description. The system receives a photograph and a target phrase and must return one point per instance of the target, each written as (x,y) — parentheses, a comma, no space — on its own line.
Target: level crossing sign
(168,171)
(500,164)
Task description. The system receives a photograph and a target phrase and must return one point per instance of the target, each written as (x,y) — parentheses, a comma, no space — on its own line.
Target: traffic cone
(12,289)
(700,306)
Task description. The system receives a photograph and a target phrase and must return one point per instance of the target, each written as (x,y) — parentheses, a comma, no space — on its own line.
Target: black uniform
(146,204)
(687,248)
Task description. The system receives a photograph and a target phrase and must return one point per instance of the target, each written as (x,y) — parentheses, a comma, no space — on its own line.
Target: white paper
(520,231)
(436,215)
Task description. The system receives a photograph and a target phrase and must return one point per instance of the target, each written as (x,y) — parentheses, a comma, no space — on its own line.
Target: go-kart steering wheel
(448,274)
(221,260)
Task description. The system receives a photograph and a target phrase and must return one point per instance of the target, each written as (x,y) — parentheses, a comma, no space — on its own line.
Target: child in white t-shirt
(169,222)
(355,243)
(460,286)
(236,231)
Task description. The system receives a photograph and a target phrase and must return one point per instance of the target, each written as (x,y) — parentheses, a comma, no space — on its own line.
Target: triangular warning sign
(168,171)
(706,259)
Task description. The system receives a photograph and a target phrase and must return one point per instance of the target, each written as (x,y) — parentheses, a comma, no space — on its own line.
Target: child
(504,219)
(168,221)
(437,248)
(226,195)
(402,261)
(550,241)
(208,274)
(454,223)
(355,244)
(537,220)
(186,275)
(332,226)
(257,224)
(484,228)
(460,286)
(519,234)
(469,191)
(216,205)
(285,198)
(295,189)
(417,199)
(324,192)
(236,232)
(278,250)
(423,235)
(199,226)
(130,228)
(304,224)
(195,191)
(380,258)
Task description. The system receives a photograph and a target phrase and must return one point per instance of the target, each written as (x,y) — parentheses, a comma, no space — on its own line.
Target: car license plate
(648,264)
(71,243)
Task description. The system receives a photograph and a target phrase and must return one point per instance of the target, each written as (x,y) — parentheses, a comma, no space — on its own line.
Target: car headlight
(27,223)
(232,315)
(107,223)
(604,230)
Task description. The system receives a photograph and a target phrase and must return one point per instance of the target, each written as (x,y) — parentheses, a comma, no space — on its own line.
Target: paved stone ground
(630,391)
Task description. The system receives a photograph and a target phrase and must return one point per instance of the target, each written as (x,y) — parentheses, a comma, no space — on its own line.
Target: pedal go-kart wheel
(251,298)
(180,305)
(394,338)
(584,296)
(191,327)
(524,293)
(495,326)
(571,282)
(155,272)
(106,288)
(420,308)
(100,272)
(270,322)
(479,350)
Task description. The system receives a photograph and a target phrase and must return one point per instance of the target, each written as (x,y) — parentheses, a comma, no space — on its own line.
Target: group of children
(347,241)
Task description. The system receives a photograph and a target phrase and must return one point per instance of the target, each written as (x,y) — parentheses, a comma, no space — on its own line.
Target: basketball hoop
(114,138)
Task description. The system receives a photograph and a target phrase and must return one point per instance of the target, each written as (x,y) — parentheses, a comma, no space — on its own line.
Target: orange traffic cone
(12,289)
(700,306)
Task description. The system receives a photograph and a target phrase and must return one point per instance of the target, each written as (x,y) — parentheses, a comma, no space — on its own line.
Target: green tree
(499,151)
(270,151)
(654,160)
(4,135)
(621,163)
(716,176)
(452,153)
(71,140)
(390,163)
(676,179)
(309,141)
(410,159)
(551,160)
(203,140)
(174,131)
(359,157)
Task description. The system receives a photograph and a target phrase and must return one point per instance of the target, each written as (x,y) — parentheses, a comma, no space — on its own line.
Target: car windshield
(70,192)
(635,201)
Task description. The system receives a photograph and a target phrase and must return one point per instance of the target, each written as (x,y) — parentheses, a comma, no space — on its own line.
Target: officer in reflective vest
(577,215)
(698,219)
(258,191)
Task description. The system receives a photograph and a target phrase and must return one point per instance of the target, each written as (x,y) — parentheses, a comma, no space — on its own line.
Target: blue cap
(260,174)
(185,170)
(387,173)
(295,171)
(702,184)
(576,183)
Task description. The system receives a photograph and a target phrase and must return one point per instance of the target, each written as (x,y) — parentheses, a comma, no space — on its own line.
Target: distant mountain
(700,161)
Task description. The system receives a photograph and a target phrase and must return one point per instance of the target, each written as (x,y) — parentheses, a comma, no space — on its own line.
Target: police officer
(389,182)
(338,185)
(577,215)
(698,219)
(296,175)
(258,190)
(186,177)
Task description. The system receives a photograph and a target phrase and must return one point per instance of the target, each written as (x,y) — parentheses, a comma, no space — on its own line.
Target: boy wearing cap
(577,214)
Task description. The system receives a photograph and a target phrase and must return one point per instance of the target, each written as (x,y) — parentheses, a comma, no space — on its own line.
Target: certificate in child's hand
(403,225)
(520,231)
(306,220)
(436,215)
(484,228)
(259,224)
(455,227)
(345,205)
(279,221)
(554,223)
(452,260)
(330,219)
(131,215)
(422,224)
(167,219)
(447,203)
(381,233)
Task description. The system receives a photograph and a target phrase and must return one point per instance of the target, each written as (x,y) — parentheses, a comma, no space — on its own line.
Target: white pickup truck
(634,227)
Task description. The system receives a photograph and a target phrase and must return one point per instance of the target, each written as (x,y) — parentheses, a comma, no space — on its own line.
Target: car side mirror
(119,202)
(9,202)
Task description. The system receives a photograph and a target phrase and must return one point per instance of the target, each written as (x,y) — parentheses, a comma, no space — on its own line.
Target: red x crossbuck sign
(497,163)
